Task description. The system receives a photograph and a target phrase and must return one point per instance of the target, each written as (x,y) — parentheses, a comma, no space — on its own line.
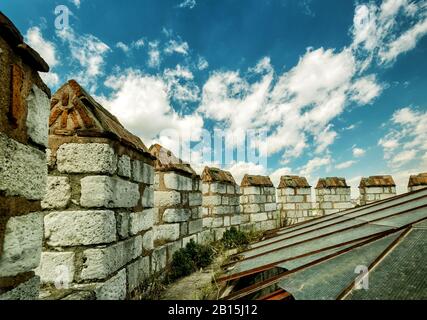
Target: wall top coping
(75,113)
(332,182)
(418,180)
(167,161)
(217,175)
(293,182)
(377,181)
(256,181)
(15,39)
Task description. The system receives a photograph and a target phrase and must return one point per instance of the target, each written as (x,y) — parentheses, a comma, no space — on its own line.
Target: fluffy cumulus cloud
(406,140)
(176,46)
(142,104)
(48,52)
(358,152)
(154,54)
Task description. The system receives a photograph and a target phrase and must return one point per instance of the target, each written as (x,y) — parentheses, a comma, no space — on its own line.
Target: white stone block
(148,197)
(218,187)
(112,289)
(205,188)
(235,220)
(38,105)
(102,262)
(148,240)
(214,200)
(109,192)
(166,198)
(23,170)
(176,181)
(73,228)
(251,208)
(231,189)
(251,190)
(148,174)
(58,193)
(22,244)
(195,226)
(137,272)
(124,167)
(167,232)
(56,267)
(270,207)
(257,217)
(29,290)
(86,158)
(141,221)
(176,215)
(195,199)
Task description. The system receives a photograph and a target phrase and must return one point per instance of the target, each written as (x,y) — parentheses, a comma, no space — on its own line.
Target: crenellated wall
(221,203)
(332,195)
(294,200)
(178,206)
(417,182)
(376,188)
(98,206)
(258,205)
(24,109)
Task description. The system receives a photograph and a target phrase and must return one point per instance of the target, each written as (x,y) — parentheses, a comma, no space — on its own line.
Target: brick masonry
(24,108)
(294,200)
(98,205)
(177,202)
(221,203)
(258,205)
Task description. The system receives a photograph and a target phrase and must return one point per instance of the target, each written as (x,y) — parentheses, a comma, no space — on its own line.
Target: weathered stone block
(28,290)
(23,170)
(148,197)
(270,207)
(195,199)
(102,262)
(212,200)
(137,272)
(112,289)
(86,158)
(176,181)
(195,226)
(159,259)
(166,198)
(257,217)
(38,106)
(176,215)
(73,228)
(22,244)
(124,167)
(148,240)
(56,266)
(251,190)
(103,191)
(58,193)
(167,232)
(141,221)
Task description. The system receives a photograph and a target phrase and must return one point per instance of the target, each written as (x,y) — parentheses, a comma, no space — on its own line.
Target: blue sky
(338,87)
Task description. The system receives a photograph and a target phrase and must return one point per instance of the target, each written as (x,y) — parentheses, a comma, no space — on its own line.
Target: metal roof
(301,247)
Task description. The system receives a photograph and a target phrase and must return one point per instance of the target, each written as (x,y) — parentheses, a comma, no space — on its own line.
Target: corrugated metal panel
(401,275)
(326,280)
(306,247)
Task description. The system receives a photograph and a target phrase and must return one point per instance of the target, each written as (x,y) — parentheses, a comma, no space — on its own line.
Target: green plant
(234,238)
(190,259)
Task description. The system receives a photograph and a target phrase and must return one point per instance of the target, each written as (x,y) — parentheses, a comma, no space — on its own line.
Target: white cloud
(187,4)
(345,165)
(366,89)
(154,54)
(141,102)
(358,152)
(123,47)
(406,140)
(89,52)
(202,64)
(174,46)
(181,86)
(47,51)
(76,3)
(314,165)
(239,169)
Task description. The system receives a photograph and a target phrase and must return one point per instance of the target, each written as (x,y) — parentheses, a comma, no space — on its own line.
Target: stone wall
(24,109)
(332,195)
(294,200)
(417,182)
(376,188)
(258,204)
(221,203)
(98,206)
(178,201)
